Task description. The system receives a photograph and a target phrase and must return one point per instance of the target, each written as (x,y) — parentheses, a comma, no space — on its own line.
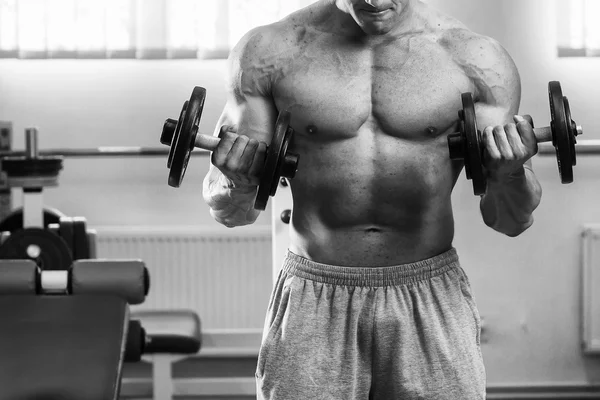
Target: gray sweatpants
(403,332)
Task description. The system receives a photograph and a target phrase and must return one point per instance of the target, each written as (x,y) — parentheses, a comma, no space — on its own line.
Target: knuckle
(218,158)
(519,154)
(225,131)
(242,139)
(232,165)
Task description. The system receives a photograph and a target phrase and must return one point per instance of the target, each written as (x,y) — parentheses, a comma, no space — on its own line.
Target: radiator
(590,289)
(222,274)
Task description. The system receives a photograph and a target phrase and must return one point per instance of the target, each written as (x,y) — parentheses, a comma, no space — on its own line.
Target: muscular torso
(371,122)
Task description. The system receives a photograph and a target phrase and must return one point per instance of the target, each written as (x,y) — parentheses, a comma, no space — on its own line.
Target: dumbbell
(467,143)
(182,136)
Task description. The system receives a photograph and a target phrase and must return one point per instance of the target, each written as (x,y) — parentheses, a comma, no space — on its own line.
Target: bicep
(250,107)
(495,80)
(254,117)
(497,92)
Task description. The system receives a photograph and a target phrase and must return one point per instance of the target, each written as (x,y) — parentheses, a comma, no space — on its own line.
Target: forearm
(229,205)
(508,204)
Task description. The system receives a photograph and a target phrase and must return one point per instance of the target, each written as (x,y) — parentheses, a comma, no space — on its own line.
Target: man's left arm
(513,191)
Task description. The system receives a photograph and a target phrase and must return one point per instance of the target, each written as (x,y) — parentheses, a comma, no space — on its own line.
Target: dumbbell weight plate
(184,137)
(274,162)
(48,250)
(563,133)
(26,167)
(14,220)
(473,157)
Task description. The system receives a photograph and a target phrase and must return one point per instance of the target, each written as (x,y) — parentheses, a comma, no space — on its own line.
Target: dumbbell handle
(206,142)
(543,134)
(202,141)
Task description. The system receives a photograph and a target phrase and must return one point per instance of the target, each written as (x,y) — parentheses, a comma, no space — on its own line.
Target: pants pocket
(272,325)
(467,295)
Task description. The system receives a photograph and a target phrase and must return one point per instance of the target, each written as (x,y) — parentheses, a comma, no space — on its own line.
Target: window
(578,28)
(146,29)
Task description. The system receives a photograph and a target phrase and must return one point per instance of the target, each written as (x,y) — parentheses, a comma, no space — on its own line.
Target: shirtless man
(371,302)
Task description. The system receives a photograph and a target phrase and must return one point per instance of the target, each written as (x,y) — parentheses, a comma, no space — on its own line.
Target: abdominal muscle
(373,200)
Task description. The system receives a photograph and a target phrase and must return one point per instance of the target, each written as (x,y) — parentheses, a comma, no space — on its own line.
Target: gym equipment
(466,145)
(14,221)
(81,246)
(136,342)
(82,240)
(99,152)
(52,248)
(32,151)
(79,342)
(49,251)
(56,344)
(129,279)
(32,168)
(182,136)
(171,335)
(95,276)
(35,232)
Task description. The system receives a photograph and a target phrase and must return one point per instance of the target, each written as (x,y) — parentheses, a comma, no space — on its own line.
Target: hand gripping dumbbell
(467,144)
(182,136)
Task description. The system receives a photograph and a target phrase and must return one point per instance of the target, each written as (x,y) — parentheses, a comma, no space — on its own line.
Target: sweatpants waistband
(370,276)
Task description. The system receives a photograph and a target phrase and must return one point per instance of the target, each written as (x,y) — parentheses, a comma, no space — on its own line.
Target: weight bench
(63,333)
(171,335)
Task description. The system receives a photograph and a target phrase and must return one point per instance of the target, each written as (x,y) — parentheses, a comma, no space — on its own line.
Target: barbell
(36,168)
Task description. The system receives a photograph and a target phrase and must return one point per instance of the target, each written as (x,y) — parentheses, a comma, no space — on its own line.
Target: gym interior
(203,311)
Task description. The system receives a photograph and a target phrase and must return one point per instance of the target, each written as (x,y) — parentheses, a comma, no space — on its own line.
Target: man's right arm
(231,184)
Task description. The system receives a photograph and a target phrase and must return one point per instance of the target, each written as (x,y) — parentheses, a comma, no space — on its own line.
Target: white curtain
(578,28)
(143,29)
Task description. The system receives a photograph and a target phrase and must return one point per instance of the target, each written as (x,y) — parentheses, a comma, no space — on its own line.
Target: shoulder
(273,40)
(265,53)
(253,61)
(470,47)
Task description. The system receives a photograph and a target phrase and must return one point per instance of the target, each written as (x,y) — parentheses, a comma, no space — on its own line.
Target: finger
(490,144)
(234,158)
(248,156)
(525,129)
(513,137)
(502,143)
(219,155)
(258,162)
(526,117)
(226,129)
